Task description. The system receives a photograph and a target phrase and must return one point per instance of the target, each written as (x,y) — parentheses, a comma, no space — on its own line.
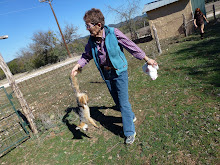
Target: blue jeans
(118,88)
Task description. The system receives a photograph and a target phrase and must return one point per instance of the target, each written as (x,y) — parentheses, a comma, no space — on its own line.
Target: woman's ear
(100,25)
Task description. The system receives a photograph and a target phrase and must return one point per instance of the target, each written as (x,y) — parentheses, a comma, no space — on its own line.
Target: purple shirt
(126,43)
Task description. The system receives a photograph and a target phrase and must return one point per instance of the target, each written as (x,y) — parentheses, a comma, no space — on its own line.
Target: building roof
(156,4)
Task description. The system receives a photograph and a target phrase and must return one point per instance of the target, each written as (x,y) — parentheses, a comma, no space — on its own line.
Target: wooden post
(137,34)
(185,25)
(27,112)
(214,12)
(157,39)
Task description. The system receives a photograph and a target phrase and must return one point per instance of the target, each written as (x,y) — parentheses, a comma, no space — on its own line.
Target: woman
(105,47)
(199,22)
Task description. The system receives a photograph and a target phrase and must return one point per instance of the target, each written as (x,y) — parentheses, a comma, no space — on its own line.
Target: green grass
(177,114)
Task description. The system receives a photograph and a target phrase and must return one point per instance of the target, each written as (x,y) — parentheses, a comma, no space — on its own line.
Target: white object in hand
(151,70)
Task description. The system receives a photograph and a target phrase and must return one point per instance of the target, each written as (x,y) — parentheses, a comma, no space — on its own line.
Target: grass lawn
(177,114)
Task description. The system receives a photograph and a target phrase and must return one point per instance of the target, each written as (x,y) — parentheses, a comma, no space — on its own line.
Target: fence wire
(49,95)
(12,126)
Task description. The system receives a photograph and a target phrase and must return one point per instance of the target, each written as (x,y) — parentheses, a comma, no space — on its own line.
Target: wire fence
(49,95)
(12,127)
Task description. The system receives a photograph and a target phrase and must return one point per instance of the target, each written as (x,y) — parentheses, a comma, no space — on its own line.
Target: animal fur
(82,101)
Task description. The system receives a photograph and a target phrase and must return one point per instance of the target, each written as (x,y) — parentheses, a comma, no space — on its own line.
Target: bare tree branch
(126,13)
(70,33)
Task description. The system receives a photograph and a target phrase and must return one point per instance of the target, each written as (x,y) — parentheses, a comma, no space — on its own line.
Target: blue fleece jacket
(115,52)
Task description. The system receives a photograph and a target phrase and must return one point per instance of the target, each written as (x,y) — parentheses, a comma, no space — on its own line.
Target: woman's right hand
(75,70)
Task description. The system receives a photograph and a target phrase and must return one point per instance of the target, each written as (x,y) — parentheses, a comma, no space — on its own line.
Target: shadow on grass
(9,144)
(107,122)
(206,53)
(77,134)
(26,122)
(13,147)
(97,82)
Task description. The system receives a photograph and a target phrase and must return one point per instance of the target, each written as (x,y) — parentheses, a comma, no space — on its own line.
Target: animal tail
(74,84)
(92,122)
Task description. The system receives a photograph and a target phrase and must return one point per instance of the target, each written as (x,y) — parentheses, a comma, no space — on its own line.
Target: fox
(82,102)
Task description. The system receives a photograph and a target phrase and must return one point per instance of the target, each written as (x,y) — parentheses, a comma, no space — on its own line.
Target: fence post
(157,39)
(214,12)
(27,112)
(185,25)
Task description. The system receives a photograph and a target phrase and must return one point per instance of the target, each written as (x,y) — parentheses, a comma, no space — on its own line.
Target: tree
(70,33)
(46,48)
(125,13)
(44,40)
(78,45)
(14,67)
(42,46)
(25,57)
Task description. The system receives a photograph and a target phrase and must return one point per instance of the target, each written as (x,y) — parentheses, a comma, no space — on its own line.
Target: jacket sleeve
(86,56)
(129,45)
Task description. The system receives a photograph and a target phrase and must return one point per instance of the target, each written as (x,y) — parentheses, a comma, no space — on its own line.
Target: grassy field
(177,114)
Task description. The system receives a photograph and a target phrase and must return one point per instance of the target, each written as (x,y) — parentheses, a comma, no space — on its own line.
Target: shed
(167,16)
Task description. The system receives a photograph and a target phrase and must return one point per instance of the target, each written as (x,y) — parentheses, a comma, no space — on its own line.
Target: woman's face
(94,29)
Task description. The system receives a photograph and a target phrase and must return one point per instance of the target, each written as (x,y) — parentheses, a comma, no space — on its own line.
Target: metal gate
(12,124)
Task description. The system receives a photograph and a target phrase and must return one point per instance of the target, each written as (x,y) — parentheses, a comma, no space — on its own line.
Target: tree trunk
(185,25)
(27,112)
(157,39)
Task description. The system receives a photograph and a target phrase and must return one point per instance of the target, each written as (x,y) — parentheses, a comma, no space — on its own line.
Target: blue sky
(20,19)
